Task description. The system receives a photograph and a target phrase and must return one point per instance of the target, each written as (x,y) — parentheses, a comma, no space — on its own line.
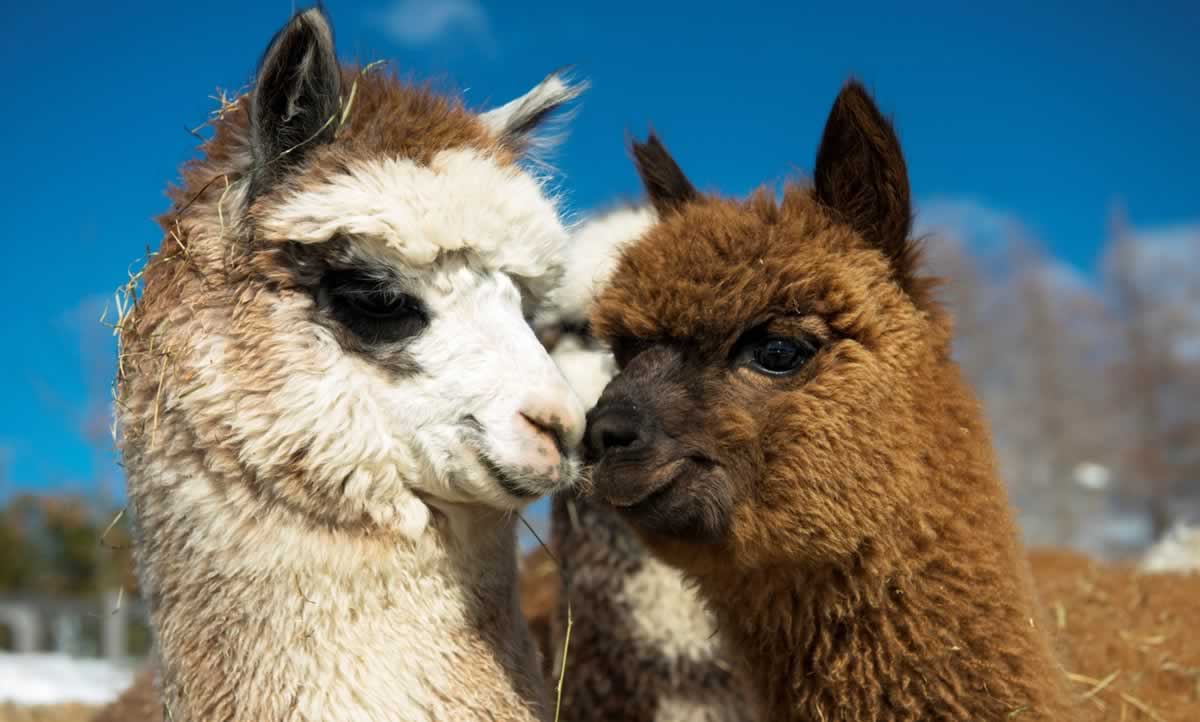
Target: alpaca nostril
(611,431)
(550,428)
(617,438)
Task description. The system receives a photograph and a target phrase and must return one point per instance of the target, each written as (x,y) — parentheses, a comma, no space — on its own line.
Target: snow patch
(29,679)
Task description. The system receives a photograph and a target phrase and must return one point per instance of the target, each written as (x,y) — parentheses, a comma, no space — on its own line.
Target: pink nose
(548,437)
(551,420)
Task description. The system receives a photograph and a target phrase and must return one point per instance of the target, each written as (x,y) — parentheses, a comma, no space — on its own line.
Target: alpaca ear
(516,124)
(666,185)
(860,174)
(296,96)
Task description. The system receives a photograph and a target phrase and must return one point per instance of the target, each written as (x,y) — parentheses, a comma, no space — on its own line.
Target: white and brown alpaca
(789,428)
(643,647)
(331,401)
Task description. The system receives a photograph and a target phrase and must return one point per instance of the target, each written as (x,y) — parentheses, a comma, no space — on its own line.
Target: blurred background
(1053,154)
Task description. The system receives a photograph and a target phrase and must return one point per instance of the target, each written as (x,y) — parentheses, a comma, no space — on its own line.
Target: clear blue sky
(1045,115)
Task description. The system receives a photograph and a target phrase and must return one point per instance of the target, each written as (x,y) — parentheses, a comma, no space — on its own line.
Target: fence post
(65,631)
(113,616)
(22,619)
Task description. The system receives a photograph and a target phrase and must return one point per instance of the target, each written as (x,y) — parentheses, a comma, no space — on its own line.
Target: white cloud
(420,23)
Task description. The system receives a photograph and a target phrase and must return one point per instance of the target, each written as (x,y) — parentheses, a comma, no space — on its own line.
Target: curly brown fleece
(845,521)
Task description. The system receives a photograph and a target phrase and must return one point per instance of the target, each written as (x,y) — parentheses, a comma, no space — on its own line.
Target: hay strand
(562,672)
(1142,707)
(108,530)
(354,90)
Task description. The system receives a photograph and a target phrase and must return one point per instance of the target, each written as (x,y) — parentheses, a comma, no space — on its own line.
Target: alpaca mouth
(519,484)
(514,484)
(685,498)
(622,487)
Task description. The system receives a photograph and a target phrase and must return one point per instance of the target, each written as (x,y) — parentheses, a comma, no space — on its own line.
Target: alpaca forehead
(464,202)
(448,281)
(713,308)
(710,273)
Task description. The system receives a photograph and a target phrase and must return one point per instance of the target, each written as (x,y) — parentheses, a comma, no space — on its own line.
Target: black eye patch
(373,307)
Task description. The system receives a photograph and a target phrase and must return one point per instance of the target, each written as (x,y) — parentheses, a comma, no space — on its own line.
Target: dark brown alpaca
(788,427)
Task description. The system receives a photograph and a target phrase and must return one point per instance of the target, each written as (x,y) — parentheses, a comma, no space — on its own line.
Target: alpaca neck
(263,615)
(937,621)
(842,644)
(643,646)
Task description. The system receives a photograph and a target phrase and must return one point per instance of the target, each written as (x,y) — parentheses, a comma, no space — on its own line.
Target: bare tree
(966,293)
(1155,307)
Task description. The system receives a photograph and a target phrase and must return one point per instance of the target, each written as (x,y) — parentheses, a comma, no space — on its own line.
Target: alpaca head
(345,295)
(770,355)
(563,325)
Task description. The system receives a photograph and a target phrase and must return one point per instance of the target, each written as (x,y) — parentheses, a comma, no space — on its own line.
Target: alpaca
(562,325)
(1178,551)
(331,401)
(789,429)
(643,647)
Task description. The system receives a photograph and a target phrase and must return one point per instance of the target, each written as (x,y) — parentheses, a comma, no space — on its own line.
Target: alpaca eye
(372,308)
(378,305)
(777,356)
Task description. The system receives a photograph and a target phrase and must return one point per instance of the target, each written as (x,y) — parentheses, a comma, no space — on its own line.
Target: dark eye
(777,356)
(377,304)
(373,308)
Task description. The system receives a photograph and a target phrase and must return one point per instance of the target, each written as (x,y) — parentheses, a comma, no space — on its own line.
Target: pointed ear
(296,96)
(666,185)
(860,175)
(517,123)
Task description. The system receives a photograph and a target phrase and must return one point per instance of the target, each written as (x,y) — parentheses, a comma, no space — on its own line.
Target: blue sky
(1039,115)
